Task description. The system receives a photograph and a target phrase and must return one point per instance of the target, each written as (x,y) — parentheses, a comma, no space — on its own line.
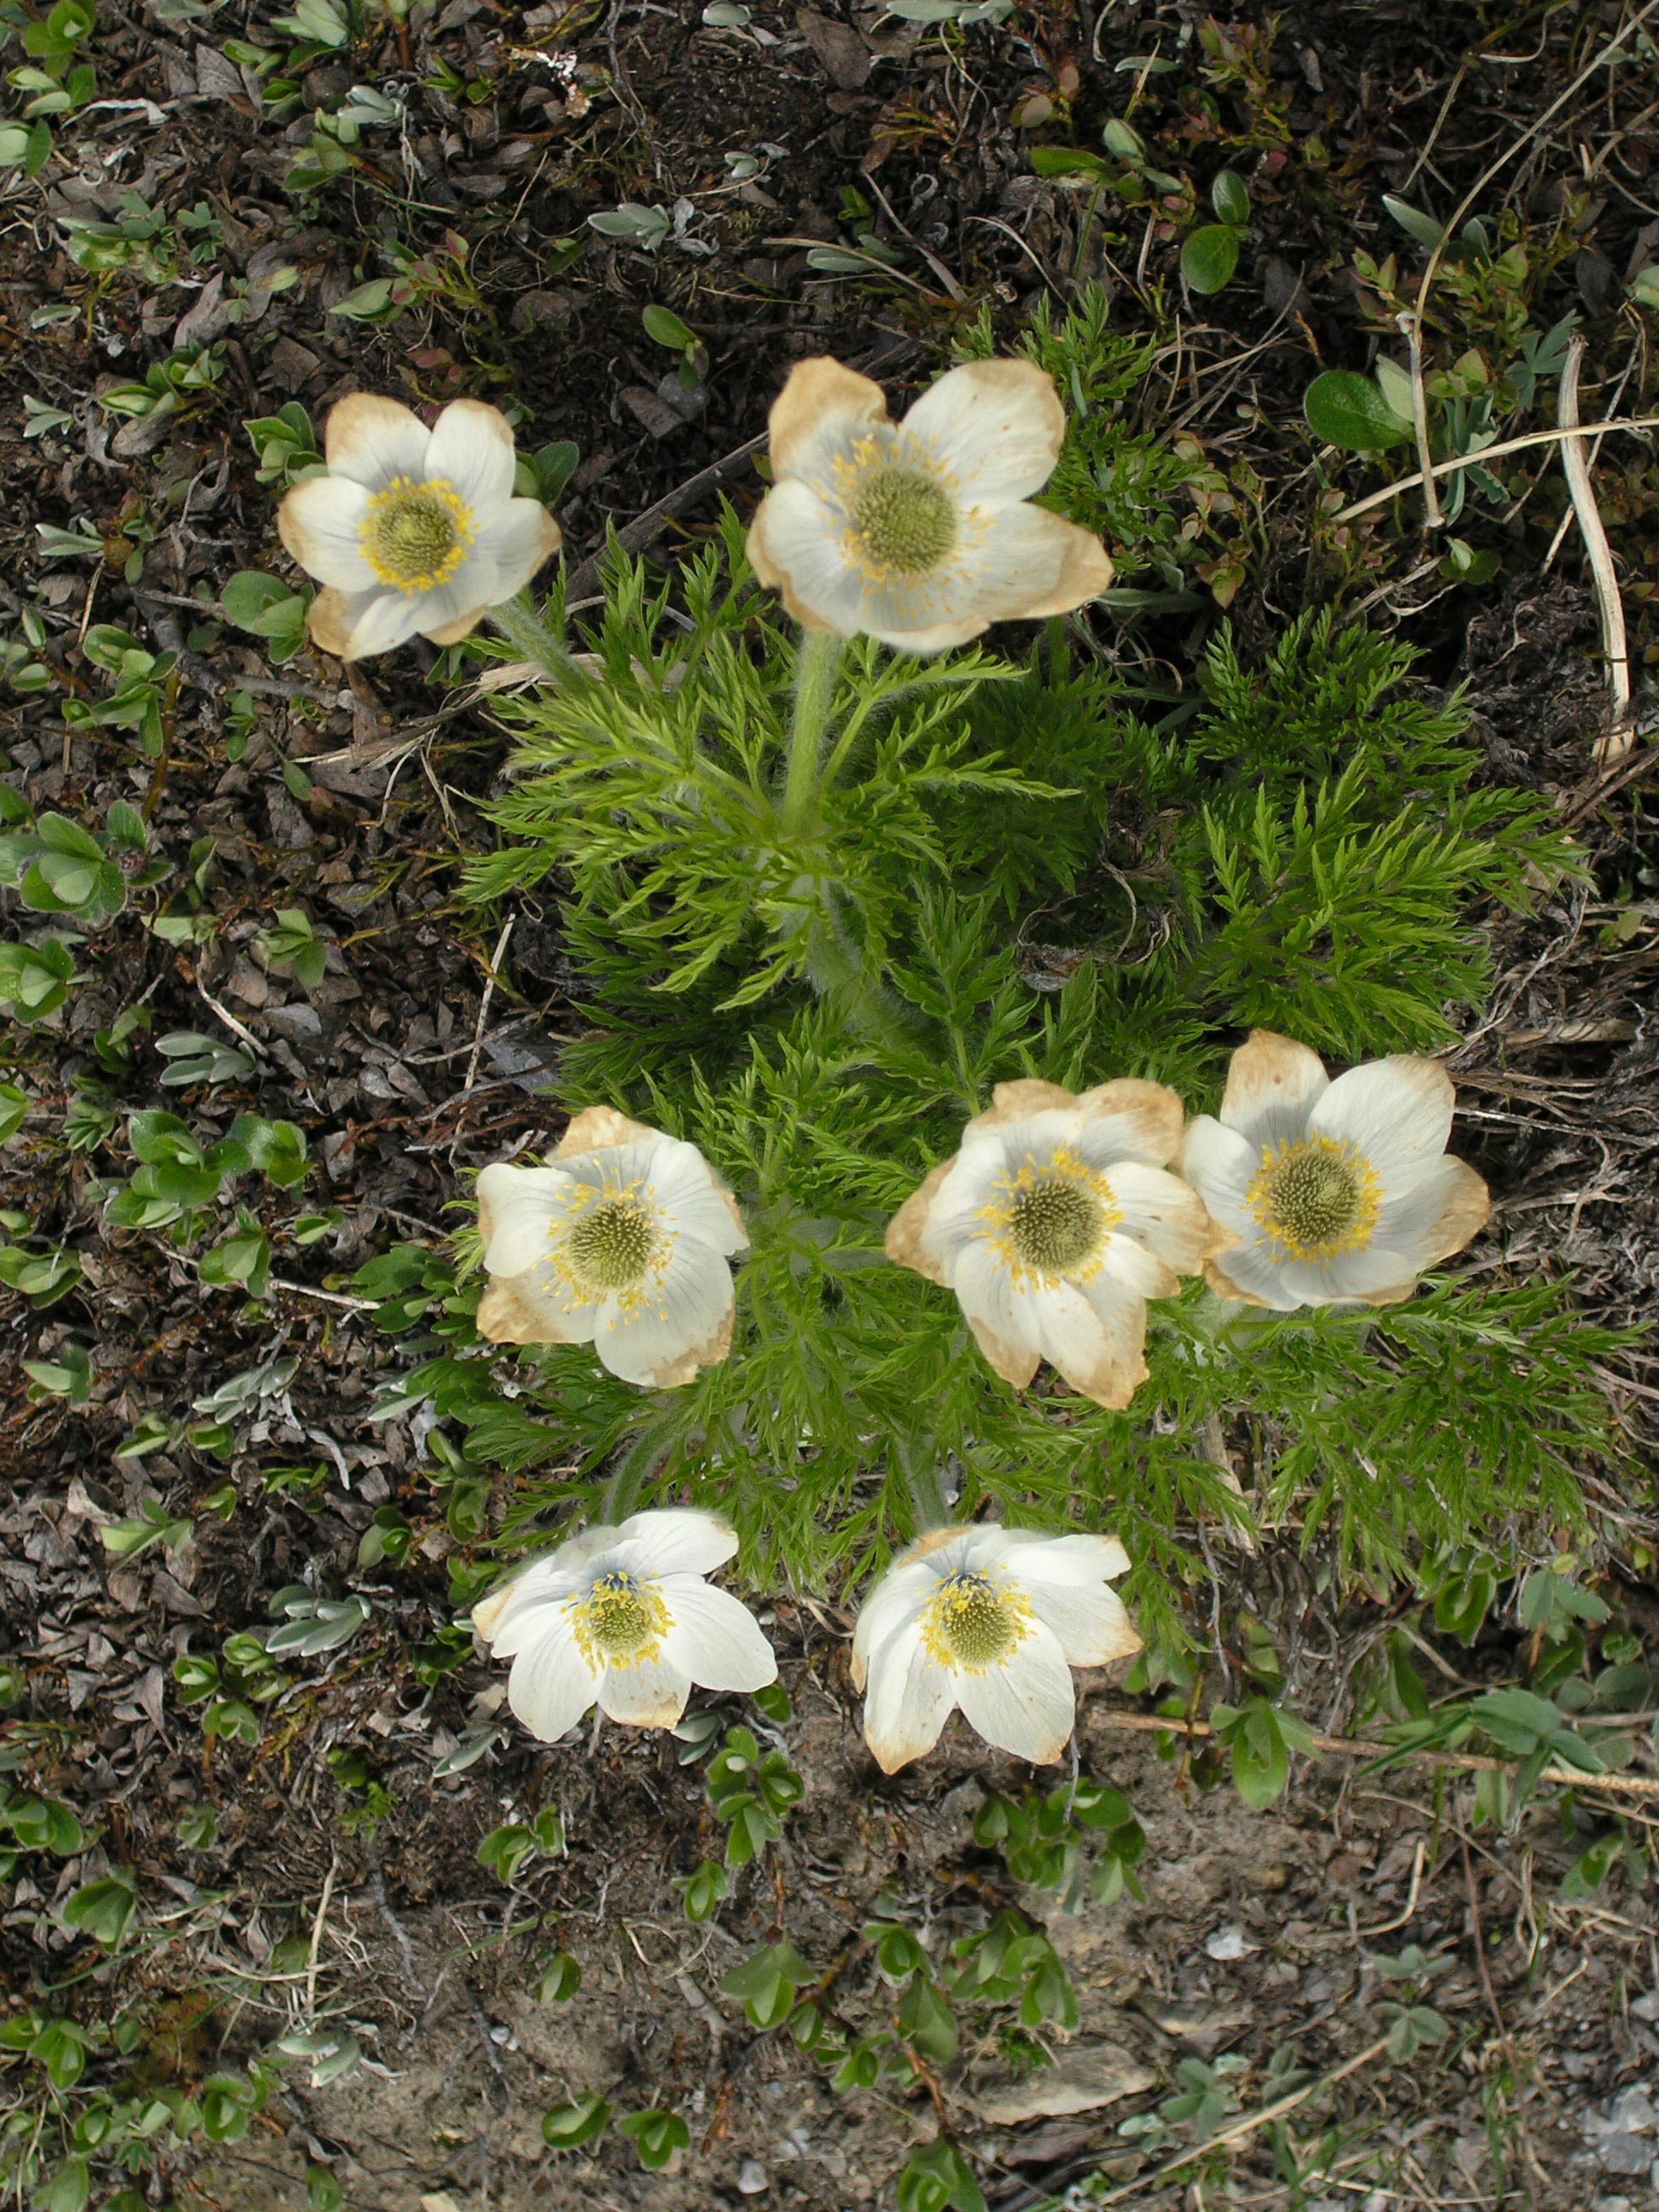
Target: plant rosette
(1054,1224)
(623,1618)
(990,1621)
(1334,1193)
(921,534)
(412,530)
(621,1242)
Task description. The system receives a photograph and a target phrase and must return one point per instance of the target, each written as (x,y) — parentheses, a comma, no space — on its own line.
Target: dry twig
(1575,462)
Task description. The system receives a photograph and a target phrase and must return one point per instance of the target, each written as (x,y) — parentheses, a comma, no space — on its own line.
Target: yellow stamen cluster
(1317,1199)
(1048,1219)
(610,1242)
(415,535)
(901,517)
(621,1622)
(970,1624)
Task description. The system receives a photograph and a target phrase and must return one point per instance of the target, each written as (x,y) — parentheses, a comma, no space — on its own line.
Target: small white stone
(752,2178)
(1632,2112)
(1228,1942)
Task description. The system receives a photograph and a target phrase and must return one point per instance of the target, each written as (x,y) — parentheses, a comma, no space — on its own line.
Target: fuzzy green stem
(817,659)
(922,1479)
(531,634)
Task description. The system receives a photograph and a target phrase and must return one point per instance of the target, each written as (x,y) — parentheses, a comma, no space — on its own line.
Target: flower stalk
(817,663)
(531,634)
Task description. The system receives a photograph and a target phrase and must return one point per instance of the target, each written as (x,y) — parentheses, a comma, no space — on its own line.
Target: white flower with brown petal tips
(990,1620)
(412,530)
(622,1617)
(621,1243)
(1334,1193)
(921,533)
(1054,1224)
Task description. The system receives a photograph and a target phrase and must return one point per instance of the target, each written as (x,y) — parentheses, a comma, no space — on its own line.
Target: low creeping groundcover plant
(953,1136)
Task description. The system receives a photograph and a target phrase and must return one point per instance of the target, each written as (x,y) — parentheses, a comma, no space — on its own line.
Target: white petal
(1029,1136)
(1094,1334)
(950,1223)
(908,1703)
(1088,1622)
(650,1695)
(1248,1270)
(898,1597)
(1129,1120)
(1066,1560)
(800,541)
(1013,563)
(516,538)
(521,1204)
(551,1684)
(1396,1112)
(514,1612)
(382,621)
(1366,1276)
(473,587)
(1027,1705)
(683,1185)
(319,522)
(1434,1215)
(372,439)
(939,637)
(715,1639)
(1272,1085)
(1221,1163)
(536,1308)
(1158,1210)
(996,425)
(612,1167)
(472,450)
(985,1286)
(676,1540)
(652,1344)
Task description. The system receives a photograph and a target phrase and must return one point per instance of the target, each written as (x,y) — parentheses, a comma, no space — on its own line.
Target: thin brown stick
(1411,328)
(1486,454)
(1474,1762)
(1615,650)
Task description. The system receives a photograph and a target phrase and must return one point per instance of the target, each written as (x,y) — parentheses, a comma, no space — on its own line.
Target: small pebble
(752,2178)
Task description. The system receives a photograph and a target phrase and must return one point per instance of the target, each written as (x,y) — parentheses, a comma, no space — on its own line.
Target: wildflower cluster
(817,1283)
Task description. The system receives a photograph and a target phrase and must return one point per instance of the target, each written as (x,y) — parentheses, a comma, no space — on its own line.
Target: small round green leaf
(1210,257)
(1346,408)
(1228,196)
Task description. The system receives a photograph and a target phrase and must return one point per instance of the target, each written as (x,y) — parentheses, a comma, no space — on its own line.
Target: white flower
(623,1618)
(919,534)
(412,529)
(622,1244)
(991,1621)
(1054,1225)
(1333,1192)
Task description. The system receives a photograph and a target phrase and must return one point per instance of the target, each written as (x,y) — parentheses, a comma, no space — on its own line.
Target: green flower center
(611,1247)
(621,1622)
(1318,1199)
(620,1618)
(415,536)
(970,1623)
(905,521)
(1054,1224)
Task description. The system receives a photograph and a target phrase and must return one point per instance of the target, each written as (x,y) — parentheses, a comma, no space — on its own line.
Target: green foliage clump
(815,958)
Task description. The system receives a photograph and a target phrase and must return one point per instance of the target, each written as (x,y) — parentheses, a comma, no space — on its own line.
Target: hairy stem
(530,633)
(818,658)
